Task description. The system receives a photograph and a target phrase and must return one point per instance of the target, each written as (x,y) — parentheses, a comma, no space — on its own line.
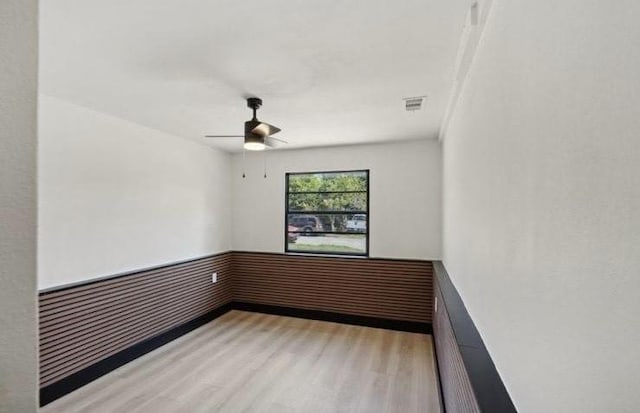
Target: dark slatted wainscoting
(81,325)
(469,380)
(454,381)
(90,329)
(376,288)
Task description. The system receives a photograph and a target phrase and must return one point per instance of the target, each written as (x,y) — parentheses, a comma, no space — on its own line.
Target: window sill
(321,255)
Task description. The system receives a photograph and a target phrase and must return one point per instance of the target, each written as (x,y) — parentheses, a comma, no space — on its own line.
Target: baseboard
(388,324)
(85,376)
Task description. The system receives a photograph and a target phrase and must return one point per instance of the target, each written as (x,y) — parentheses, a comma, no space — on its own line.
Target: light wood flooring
(251,362)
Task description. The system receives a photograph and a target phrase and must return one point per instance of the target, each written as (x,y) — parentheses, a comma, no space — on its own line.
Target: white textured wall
(542,202)
(115,196)
(405,200)
(18,94)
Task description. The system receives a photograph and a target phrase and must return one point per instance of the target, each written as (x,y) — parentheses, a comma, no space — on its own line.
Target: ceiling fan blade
(272,142)
(264,129)
(276,139)
(224,136)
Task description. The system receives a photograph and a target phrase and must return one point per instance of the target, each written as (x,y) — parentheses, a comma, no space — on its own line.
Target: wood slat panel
(56,338)
(457,391)
(391,289)
(83,324)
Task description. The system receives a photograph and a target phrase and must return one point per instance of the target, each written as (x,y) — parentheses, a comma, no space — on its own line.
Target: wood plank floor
(251,362)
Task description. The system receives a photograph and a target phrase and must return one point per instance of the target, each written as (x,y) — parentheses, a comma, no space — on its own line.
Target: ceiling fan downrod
(254,103)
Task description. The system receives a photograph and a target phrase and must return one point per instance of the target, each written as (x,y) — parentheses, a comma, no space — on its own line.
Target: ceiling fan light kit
(254,142)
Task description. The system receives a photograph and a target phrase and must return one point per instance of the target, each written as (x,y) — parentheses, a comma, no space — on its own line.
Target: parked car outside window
(306,223)
(292,236)
(357,223)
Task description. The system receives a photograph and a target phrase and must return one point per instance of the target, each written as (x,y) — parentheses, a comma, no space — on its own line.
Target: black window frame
(367,233)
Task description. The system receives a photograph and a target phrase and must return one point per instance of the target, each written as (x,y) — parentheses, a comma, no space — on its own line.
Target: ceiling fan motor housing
(252,127)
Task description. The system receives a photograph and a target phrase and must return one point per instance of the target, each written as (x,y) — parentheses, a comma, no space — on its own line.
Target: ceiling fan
(257,135)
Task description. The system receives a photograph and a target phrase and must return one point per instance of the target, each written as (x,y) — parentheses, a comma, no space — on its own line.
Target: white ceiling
(330,72)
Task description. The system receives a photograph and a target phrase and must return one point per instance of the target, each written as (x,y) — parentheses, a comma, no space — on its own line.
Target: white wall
(542,202)
(405,200)
(115,196)
(18,94)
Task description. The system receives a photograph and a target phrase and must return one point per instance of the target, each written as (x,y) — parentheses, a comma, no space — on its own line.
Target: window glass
(327,212)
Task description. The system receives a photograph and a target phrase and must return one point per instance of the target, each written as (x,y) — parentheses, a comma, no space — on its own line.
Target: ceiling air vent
(414,103)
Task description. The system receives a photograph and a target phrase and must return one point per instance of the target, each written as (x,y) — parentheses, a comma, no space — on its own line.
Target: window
(327,212)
